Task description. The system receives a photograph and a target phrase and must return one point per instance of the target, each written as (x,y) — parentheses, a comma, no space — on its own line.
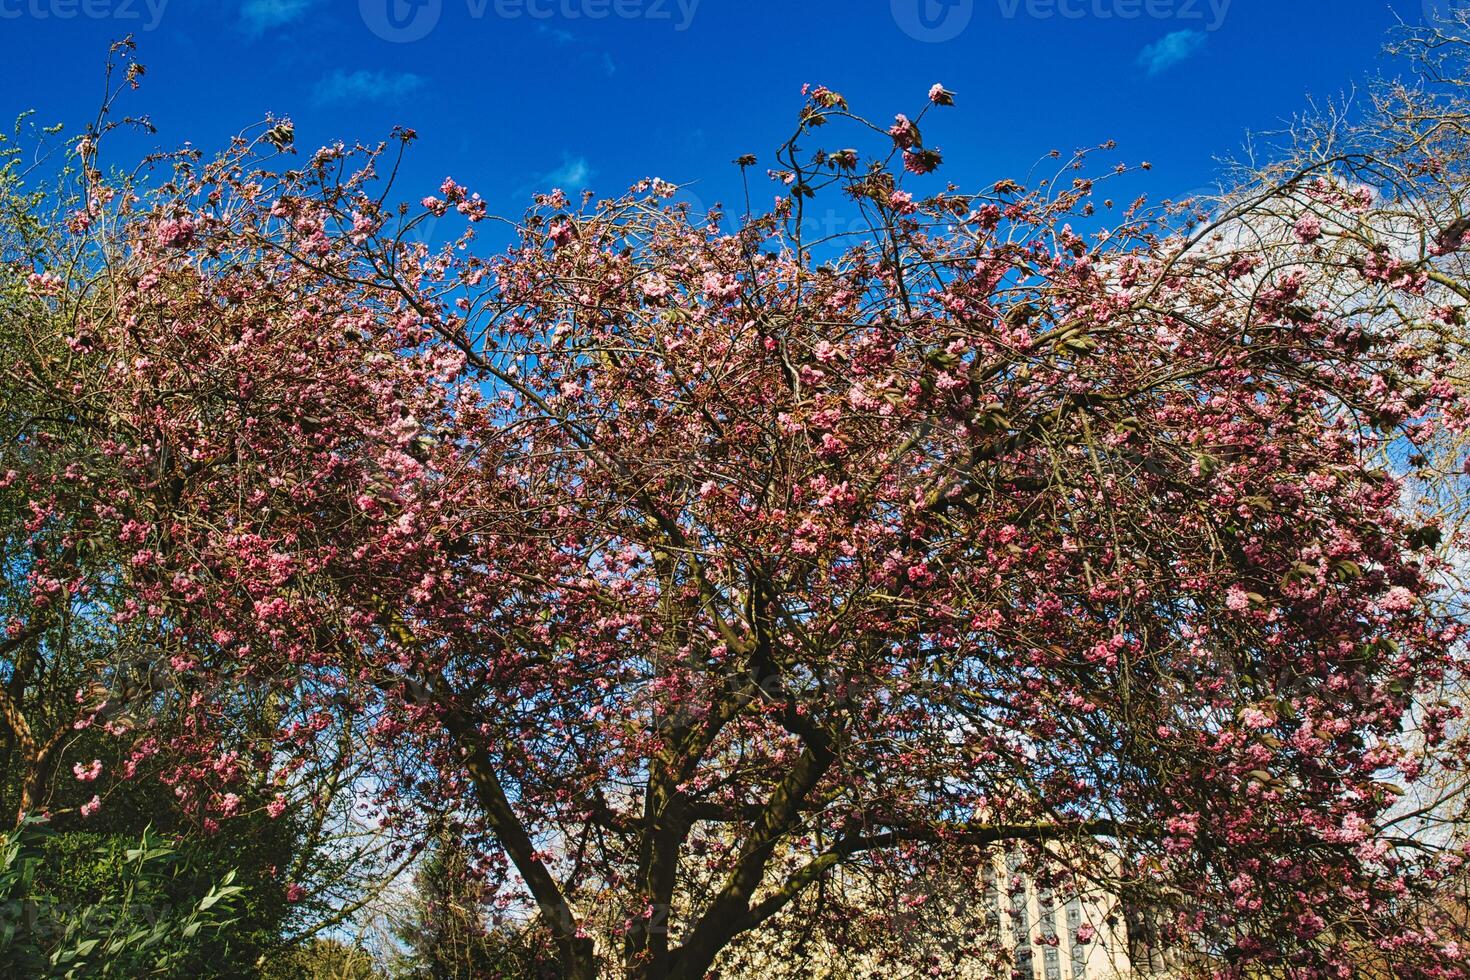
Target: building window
(1021,917)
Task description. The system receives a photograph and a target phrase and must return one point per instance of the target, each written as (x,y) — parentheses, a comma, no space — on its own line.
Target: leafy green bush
(131,926)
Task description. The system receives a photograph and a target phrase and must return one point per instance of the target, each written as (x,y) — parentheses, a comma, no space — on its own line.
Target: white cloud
(365,86)
(556,34)
(573,175)
(259,16)
(1170,50)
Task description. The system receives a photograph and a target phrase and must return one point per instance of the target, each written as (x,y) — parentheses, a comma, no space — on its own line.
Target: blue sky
(511,96)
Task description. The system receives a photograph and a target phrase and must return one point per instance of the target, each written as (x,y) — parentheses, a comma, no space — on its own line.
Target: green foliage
(21,225)
(133,923)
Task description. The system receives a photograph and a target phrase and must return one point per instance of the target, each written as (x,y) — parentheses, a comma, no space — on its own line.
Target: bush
(133,922)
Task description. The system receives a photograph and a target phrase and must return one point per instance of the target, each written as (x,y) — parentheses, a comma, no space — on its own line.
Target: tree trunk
(579,960)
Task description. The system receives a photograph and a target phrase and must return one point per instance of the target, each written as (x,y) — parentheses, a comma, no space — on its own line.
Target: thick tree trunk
(579,960)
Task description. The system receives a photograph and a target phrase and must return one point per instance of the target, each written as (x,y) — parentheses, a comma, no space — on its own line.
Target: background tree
(1404,157)
(92,699)
(450,932)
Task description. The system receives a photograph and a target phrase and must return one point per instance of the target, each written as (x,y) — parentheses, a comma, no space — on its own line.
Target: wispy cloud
(365,86)
(563,38)
(1169,50)
(573,175)
(556,34)
(259,16)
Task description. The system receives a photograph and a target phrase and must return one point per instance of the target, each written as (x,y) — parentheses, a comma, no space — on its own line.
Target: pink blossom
(1243,265)
(1255,718)
(655,287)
(453,191)
(905,134)
(91,806)
(1398,599)
(720,286)
(87,773)
(1308,229)
(921,575)
(902,202)
(1236,599)
(921,161)
(176,234)
(44,283)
